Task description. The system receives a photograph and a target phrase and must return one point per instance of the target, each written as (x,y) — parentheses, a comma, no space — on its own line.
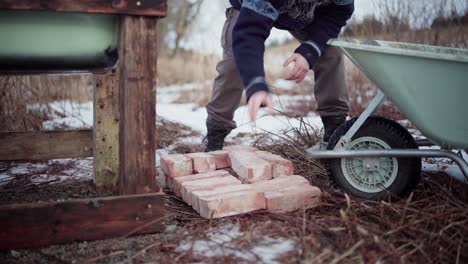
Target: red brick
(249,166)
(280,183)
(176,182)
(221,158)
(240,147)
(228,204)
(202,162)
(176,165)
(292,198)
(197,194)
(279,165)
(190,186)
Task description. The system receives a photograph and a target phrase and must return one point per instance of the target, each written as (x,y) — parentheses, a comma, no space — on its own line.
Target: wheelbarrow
(373,157)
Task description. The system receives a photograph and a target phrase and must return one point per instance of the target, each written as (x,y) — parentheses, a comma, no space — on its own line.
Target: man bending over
(248,25)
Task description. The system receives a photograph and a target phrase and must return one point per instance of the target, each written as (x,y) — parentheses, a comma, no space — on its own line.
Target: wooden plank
(138,59)
(43,145)
(128,7)
(106,131)
(42,224)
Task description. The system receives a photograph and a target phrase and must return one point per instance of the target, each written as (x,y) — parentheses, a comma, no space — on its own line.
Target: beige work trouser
(330,87)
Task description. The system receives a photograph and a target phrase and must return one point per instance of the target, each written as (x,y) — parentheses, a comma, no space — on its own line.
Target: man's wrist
(310,52)
(256,88)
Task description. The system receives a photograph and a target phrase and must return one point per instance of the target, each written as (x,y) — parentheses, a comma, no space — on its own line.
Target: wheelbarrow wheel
(381,177)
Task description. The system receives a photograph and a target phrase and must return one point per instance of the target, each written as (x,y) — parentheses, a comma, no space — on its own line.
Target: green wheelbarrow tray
(33,41)
(428,84)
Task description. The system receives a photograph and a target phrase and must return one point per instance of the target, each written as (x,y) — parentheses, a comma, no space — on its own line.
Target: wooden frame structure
(122,140)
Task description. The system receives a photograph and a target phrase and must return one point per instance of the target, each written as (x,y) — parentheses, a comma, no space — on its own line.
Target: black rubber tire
(397,137)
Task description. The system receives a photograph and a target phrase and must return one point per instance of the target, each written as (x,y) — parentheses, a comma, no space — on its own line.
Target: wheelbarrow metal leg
(371,109)
(397,153)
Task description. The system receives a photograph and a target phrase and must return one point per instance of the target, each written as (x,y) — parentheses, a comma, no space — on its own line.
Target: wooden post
(138,56)
(106,130)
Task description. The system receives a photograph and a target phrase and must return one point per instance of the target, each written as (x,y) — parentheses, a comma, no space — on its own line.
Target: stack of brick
(264,181)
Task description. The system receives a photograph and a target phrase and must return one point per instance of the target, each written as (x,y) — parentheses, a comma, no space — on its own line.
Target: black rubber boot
(215,138)
(330,124)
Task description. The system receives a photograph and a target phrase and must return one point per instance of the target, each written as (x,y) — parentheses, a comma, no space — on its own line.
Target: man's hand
(301,67)
(258,100)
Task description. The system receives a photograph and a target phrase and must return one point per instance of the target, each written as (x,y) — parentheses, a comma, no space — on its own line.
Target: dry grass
(186,68)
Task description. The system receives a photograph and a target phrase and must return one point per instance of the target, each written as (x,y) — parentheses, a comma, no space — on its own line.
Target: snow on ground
(283,84)
(53,170)
(194,116)
(221,241)
(68,114)
(435,165)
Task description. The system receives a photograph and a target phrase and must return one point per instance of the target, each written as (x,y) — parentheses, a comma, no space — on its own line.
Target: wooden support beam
(42,224)
(138,59)
(127,7)
(106,130)
(43,145)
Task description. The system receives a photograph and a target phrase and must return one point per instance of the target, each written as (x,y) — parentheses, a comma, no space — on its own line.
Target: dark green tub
(33,41)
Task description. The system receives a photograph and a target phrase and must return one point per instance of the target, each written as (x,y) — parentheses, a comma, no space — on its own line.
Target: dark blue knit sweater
(319,20)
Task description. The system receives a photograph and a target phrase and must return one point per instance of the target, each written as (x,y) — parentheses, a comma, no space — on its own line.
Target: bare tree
(173,29)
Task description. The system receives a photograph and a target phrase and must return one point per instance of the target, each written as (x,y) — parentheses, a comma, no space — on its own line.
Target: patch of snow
(219,239)
(5,178)
(191,140)
(282,102)
(187,114)
(444,165)
(69,114)
(20,169)
(282,84)
(270,249)
(76,169)
(194,117)
(436,165)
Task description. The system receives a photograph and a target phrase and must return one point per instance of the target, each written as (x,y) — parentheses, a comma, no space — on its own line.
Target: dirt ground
(431,227)
(428,226)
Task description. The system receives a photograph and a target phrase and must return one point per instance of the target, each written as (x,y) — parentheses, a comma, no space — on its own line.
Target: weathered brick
(202,162)
(221,158)
(280,183)
(240,147)
(279,165)
(176,165)
(228,204)
(190,186)
(249,166)
(203,192)
(292,198)
(176,182)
